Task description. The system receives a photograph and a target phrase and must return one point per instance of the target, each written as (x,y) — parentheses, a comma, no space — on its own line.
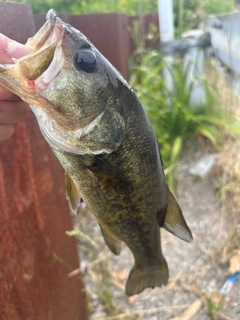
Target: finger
(12,112)
(5,94)
(6,131)
(11,49)
(16,49)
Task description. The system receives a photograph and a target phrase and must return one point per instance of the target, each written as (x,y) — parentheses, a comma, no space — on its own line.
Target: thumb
(11,49)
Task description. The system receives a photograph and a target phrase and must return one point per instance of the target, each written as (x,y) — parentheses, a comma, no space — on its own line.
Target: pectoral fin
(174,221)
(110,177)
(73,196)
(113,243)
(106,132)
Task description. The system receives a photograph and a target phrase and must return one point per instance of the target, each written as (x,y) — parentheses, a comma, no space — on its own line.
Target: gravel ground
(197,270)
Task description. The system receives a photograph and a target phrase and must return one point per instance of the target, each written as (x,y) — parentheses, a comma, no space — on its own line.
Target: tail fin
(140,279)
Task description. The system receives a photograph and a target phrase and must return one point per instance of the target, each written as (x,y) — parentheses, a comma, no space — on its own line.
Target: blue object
(227,287)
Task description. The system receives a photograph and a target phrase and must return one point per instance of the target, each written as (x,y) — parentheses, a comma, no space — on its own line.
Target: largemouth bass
(99,131)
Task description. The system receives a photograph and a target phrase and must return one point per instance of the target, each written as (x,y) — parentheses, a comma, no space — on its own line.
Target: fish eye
(85,61)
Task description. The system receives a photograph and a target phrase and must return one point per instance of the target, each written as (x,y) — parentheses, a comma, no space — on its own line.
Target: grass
(99,279)
(214,307)
(173,116)
(104,290)
(227,173)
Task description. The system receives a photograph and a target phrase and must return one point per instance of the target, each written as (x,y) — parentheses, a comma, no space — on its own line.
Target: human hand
(12,108)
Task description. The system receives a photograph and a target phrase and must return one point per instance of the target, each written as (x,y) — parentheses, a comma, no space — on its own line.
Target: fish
(100,133)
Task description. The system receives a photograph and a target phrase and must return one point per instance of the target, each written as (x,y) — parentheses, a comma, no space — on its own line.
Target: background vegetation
(189,13)
(192,10)
(175,120)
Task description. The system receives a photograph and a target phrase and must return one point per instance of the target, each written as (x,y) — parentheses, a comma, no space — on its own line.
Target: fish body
(99,131)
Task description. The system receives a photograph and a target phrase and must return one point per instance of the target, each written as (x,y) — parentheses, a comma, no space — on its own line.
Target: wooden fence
(35,253)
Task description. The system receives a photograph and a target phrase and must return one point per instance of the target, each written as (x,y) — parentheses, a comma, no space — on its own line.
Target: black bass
(99,131)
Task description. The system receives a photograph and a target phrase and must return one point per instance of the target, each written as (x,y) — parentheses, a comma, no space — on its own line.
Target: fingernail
(12,47)
(15,49)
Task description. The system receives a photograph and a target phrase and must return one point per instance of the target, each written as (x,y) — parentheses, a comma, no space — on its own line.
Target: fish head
(66,80)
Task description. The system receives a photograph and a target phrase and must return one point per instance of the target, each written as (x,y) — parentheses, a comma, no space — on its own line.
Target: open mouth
(43,72)
(36,70)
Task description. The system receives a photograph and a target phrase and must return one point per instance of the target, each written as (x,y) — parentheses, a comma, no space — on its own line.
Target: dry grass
(228,184)
(228,165)
(227,173)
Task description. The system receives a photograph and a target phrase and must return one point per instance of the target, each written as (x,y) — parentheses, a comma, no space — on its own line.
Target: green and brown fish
(99,131)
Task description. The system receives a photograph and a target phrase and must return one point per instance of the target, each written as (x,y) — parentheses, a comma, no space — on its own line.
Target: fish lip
(51,16)
(52,30)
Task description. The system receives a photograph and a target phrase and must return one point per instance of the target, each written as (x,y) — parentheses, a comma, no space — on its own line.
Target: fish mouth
(27,75)
(30,77)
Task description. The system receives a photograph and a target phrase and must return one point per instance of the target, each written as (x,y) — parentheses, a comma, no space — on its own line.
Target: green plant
(189,13)
(173,116)
(80,235)
(213,308)
(104,290)
(132,7)
(218,6)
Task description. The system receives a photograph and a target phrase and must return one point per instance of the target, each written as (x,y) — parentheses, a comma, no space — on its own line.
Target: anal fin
(113,243)
(174,221)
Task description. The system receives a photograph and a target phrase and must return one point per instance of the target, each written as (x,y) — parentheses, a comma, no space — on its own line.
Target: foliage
(173,117)
(132,7)
(217,6)
(213,308)
(189,13)
(103,290)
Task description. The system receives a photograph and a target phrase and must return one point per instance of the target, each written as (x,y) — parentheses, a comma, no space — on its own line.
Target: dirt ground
(198,270)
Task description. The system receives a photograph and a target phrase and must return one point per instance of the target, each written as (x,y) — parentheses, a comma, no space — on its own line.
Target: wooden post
(35,254)
(165,11)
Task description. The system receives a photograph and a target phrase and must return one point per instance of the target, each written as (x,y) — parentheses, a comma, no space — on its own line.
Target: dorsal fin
(174,221)
(72,194)
(113,243)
